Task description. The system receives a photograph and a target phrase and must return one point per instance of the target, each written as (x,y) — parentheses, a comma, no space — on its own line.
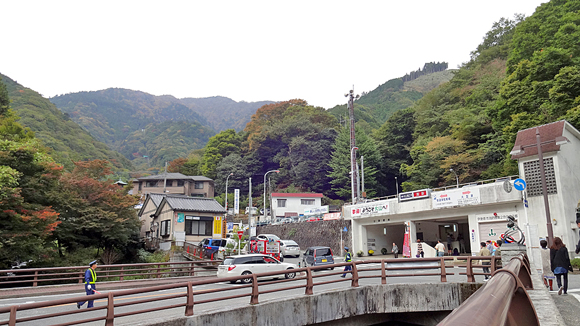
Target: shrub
(384,251)
(360,253)
(575,262)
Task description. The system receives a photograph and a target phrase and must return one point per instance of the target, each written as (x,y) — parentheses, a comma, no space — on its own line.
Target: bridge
(376,290)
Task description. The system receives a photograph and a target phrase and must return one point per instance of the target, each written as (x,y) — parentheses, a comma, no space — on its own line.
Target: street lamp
(456,178)
(352,186)
(229,175)
(397,185)
(277,171)
(517,150)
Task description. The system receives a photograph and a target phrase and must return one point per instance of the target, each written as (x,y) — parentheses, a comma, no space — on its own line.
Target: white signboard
(453,198)
(492,217)
(236,201)
(370,209)
(316,210)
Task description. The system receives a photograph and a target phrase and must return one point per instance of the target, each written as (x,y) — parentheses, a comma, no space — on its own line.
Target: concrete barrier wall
(339,306)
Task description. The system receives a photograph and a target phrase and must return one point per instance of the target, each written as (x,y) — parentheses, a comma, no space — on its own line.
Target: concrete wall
(306,234)
(340,306)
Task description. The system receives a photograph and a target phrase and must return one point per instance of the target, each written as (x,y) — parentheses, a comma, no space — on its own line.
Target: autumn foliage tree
(94,211)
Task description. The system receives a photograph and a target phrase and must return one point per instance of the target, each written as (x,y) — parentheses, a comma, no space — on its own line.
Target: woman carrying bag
(560,263)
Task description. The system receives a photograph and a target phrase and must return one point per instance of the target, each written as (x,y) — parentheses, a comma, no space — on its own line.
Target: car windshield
(228,261)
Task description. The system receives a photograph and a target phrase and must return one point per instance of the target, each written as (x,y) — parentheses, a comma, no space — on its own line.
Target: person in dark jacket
(560,264)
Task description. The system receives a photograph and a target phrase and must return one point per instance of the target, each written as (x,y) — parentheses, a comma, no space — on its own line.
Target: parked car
(254,210)
(253,264)
(213,246)
(269,237)
(262,211)
(318,256)
(289,248)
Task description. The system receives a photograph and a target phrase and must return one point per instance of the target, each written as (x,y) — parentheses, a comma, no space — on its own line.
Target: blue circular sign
(520,184)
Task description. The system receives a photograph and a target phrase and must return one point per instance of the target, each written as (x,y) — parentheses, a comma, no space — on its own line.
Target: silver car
(289,248)
(253,264)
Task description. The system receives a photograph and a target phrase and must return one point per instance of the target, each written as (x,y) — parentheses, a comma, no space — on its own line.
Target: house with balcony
(294,204)
(174,183)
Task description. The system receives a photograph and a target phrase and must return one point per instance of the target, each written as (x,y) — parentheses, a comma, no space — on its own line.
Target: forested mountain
(372,109)
(57,131)
(224,113)
(159,128)
(526,72)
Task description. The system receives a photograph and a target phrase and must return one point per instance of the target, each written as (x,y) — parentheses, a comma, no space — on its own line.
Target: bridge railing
(300,278)
(121,272)
(485,307)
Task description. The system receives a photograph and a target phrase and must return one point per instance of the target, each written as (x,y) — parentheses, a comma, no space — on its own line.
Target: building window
(140,186)
(197,195)
(534,180)
(281,202)
(307,201)
(180,183)
(151,183)
(195,225)
(165,228)
(198,185)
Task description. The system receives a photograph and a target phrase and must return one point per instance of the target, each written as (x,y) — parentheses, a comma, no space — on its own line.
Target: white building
(477,212)
(288,204)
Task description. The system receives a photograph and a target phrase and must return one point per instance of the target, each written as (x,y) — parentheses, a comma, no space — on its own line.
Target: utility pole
(165,179)
(353,165)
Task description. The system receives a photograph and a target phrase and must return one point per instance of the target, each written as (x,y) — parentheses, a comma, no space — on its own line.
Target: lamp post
(456,178)
(277,171)
(352,185)
(397,185)
(560,140)
(229,175)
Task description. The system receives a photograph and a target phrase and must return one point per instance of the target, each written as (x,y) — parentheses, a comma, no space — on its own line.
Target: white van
(254,210)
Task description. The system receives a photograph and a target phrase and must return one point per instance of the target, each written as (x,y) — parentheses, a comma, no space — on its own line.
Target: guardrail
(121,272)
(420,267)
(486,307)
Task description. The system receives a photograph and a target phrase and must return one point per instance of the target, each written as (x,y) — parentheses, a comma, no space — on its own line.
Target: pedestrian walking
(420,252)
(347,259)
(578,245)
(547,274)
(440,248)
(484,252)
(560,263)
(90,286)
(395,250)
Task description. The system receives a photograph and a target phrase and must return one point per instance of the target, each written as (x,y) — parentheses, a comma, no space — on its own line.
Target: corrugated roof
(304,195)
(194,204)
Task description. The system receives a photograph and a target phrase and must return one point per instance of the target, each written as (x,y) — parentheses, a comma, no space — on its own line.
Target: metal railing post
(158,275)
(469,271)
(309,282)
(192,269)
(383,272)
(110,319)
(255,292)
(443,271)
(81,276)
(122,275)
(354,282)
(12,321)
(35,283)
(189,304)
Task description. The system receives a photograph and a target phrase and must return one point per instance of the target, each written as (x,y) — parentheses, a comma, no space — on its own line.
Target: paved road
(569,305)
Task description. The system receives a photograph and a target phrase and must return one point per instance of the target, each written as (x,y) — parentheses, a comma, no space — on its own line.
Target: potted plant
(371,252)
(360,253)
(384,251)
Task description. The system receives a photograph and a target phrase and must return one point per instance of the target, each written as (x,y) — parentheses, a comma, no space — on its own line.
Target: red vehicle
(266,247)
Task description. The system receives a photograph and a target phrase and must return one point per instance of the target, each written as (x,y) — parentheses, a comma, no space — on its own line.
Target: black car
(318,256)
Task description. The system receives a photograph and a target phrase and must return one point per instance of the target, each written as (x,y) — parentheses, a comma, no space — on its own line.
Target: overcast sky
(244,50)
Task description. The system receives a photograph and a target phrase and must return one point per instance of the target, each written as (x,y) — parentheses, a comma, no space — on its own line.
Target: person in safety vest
(347,259)
(90,286)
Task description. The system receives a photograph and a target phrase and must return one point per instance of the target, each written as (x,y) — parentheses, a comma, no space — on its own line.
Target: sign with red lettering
(417,194)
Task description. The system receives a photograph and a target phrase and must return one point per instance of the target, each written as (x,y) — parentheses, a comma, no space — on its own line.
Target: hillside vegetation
(68,141)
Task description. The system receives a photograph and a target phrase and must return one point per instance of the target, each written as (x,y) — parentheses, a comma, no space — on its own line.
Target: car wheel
(332,268)
(246,280)
(290,275)
(233,282)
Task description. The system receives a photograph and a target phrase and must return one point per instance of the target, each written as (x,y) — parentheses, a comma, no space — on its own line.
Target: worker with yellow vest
(90,286)
(347,259)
